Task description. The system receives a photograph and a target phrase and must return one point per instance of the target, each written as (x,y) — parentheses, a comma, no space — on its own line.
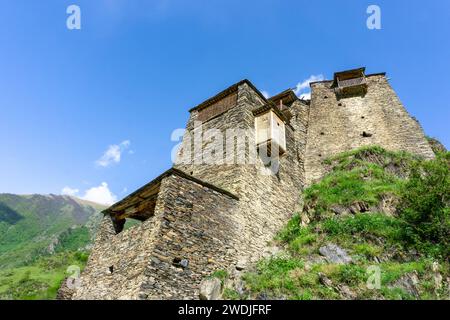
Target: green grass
(367,250)
(275,275)
(220,274)
(366,184)
(376,224)
(370,154)
(73,239)
(230,294)
(42,219)
(40,280)
(28,225)
(288,277)
(372,239)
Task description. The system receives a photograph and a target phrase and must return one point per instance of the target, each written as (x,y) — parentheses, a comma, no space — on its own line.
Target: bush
(292,229)
(352,274)
(222,275)
(424,205)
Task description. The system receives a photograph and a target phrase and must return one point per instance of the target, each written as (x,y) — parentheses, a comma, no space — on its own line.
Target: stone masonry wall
(299,121)
(198,235)
(191,223)
(239,117)
(127,253)
(266,202)
(337,125)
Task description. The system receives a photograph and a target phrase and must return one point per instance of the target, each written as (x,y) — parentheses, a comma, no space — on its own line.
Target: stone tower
(234,186)
(354,110)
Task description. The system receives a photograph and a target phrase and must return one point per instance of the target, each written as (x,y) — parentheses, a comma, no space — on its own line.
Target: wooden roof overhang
(225,93)
(350,82)
(272,107)
(140,205)
(349,74)
(287,97)
(269,107)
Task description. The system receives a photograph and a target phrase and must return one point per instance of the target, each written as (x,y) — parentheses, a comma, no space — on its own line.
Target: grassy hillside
(376,227)
(40,236)
(40,279)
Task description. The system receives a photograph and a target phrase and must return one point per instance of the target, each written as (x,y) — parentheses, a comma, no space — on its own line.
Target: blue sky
(128,77)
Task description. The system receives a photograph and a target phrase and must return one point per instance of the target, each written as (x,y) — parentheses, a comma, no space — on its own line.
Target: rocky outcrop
(408,283)
(335,254)
(210,289)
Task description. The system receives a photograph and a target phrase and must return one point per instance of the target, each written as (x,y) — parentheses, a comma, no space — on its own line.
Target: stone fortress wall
(198,218)
(375,118)
(265,201)
(189,236)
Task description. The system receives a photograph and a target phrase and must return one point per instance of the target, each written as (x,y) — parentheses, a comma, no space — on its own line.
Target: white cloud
(302,88)
(100,194)
(113,154)
(265,94)
(305,96)
(68,191)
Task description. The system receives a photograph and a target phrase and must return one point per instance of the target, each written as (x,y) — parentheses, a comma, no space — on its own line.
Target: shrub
(352,274)
(292,229)
(230,294)
(367,250)
(424,205)
(222,275)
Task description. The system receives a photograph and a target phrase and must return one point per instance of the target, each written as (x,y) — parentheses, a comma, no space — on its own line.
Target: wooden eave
(288,96)
(269,107)
(272,107)
(349,74)
(150,191)
(225,93)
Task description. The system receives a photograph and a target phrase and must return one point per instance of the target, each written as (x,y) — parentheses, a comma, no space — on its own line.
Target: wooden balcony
(351,86)
(351,82)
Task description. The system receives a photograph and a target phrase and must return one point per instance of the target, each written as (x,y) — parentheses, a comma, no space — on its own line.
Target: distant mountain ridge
(42,203)
(40,236)
(31,223)
(9,215)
